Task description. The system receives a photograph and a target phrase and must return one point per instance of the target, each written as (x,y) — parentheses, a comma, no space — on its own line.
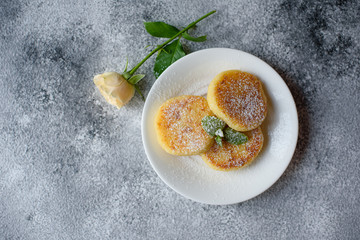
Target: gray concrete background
(73,167)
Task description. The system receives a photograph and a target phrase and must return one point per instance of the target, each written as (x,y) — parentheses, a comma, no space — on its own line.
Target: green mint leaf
(194,39)
(218,140)
(212,124)
(136,78)
(160,29)
(169,55)
(219,133)
(234,137)
(139,92)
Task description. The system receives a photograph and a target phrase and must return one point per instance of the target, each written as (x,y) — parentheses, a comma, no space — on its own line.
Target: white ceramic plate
(189,175)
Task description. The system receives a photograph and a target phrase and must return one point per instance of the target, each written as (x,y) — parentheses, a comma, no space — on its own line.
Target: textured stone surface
(73,167)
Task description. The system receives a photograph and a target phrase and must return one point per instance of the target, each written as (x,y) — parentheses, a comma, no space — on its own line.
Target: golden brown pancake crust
(178,125)
(231,157)
(238,98)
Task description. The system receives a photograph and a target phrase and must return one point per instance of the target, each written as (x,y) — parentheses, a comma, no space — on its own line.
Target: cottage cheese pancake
(178,125)
(237,98)
(231,157)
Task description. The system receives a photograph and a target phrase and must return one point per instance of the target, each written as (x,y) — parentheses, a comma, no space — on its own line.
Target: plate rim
(291,150)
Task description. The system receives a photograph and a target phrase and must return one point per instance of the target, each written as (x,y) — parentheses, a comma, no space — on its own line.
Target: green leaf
(212,124)
(136,78)
(234,137)
(139,92)
(166,57)
(194,39)
(218,140)
(160,29)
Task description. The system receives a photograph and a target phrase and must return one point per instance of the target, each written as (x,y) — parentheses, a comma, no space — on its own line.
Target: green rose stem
(127,75)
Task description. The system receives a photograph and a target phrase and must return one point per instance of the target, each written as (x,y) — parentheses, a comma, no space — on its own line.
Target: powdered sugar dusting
(231,156)
(179,125)
(240,96)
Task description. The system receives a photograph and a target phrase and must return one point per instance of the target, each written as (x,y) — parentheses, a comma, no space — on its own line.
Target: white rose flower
(115,88)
